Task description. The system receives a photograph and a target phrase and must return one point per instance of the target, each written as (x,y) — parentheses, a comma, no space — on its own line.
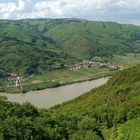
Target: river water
(52,96)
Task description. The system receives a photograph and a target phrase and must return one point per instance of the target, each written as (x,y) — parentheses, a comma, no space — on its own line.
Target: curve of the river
(52,96)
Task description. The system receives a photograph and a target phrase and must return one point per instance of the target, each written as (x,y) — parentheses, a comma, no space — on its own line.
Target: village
(17,79)
(93,64)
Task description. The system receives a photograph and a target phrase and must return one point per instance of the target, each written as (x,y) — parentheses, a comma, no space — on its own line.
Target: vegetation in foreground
(110,112)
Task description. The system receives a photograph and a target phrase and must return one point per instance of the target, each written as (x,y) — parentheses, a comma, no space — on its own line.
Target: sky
(123,11)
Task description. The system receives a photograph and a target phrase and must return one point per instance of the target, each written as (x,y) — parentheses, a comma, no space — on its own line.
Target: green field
(127,60)
(55,78)
(68,75)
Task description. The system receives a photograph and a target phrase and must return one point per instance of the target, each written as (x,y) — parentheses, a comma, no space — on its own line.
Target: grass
(68,74)
(56,78)
(128,60)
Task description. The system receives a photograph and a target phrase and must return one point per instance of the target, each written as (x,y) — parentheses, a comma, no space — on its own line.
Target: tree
(2,74)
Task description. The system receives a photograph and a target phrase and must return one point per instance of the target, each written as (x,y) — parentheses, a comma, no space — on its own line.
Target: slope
(108,112)
(58,42)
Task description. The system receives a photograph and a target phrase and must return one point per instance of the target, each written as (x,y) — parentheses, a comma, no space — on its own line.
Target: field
(56,78)
(68,75)
(127,60)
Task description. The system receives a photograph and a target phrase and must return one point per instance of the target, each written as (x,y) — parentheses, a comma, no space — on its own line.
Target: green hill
(38,45)
(110,112)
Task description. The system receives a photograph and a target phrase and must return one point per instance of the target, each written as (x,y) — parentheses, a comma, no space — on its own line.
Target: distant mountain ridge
(37,45)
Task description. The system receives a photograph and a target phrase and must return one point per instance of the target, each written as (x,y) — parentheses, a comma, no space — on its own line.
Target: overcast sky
(123,11)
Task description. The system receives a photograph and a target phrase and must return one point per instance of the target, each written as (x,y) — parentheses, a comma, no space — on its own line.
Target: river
(52,96)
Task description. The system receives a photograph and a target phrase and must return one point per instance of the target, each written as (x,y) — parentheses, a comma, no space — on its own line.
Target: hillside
(115,104)
(33,46)
(110,112)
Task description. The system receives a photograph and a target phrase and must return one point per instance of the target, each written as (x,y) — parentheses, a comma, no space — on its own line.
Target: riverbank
(51,97)
(56,79)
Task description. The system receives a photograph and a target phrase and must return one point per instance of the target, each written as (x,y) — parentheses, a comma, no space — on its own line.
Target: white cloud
(7,10)
(49,8)
(12,11)
(116,10)
(23,5)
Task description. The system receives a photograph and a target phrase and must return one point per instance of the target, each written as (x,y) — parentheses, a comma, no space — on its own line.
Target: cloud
(12,11)
(116,10)
(7,10)
(24,6)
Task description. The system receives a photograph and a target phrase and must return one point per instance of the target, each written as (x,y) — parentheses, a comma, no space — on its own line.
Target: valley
(43,50)
(81,79)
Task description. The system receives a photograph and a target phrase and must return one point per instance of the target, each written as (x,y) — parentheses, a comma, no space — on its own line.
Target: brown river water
(53,96)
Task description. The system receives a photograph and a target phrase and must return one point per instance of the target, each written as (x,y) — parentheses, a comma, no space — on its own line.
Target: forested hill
(37,45)
(115,106)
(110,112)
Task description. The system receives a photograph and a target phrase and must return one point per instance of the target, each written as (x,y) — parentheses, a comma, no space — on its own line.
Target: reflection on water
(53,96)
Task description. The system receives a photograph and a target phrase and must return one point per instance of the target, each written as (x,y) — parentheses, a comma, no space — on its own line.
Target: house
(103,65)
(92,64)
(15,79)
(113,67)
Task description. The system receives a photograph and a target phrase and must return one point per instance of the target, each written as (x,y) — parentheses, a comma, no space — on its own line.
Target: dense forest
(34,46)
(110,112)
